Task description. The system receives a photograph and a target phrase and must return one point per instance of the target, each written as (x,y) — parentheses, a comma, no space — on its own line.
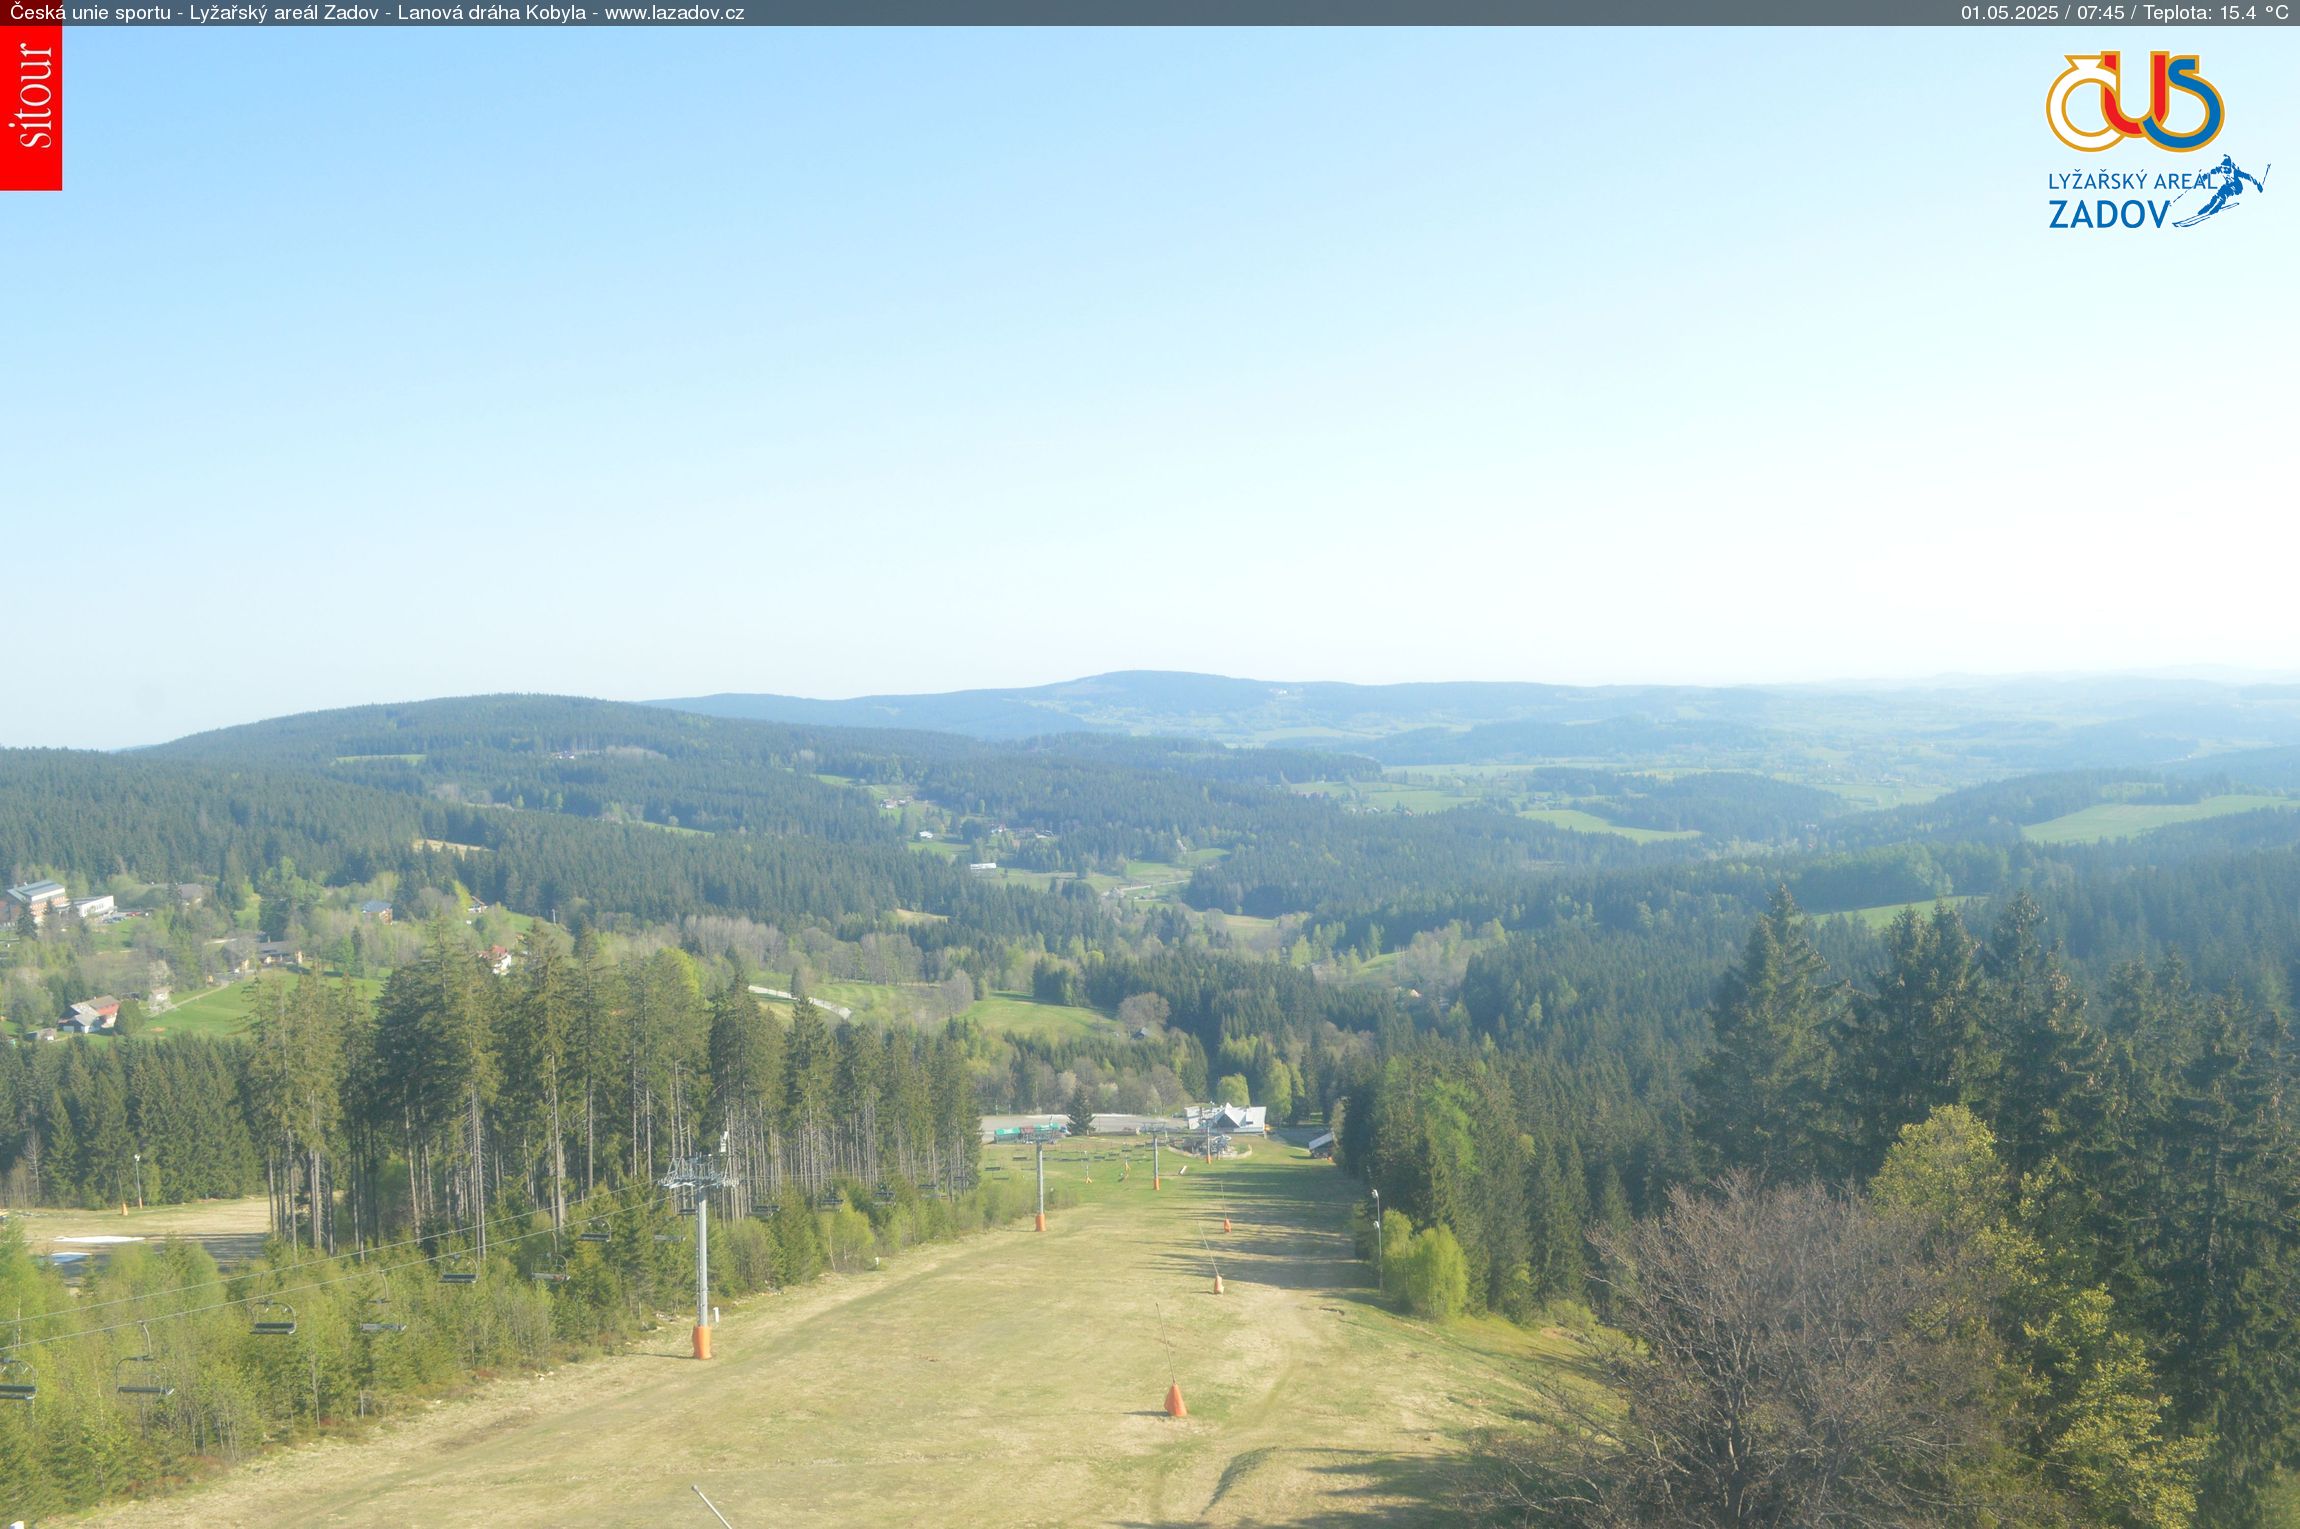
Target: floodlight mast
(700,1175)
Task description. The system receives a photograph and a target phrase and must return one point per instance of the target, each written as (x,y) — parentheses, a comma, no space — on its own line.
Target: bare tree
(1791,1357)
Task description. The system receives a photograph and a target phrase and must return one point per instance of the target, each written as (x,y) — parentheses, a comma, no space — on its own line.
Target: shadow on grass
(1361,1489)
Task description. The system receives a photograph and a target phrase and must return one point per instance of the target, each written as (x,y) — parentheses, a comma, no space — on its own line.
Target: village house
(280,953)
(100,906)
(92,1015)
(499,960)
(376,909)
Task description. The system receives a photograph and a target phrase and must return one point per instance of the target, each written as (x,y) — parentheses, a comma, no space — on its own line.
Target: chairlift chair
(17,1382)
(594,1234)
(275,1327)
(144,1387)
(377,1324)
(141,1387)
(459,1270)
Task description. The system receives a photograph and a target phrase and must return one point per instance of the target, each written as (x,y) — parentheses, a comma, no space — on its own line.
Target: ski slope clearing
(1011,1378)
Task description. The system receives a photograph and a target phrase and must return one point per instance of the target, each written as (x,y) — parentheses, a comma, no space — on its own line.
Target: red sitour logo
(32,132)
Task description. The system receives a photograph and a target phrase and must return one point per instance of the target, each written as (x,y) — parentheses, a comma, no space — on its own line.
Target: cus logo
(2167,72)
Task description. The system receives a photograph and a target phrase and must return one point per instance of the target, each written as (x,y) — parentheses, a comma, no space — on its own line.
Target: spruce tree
(1762,1087)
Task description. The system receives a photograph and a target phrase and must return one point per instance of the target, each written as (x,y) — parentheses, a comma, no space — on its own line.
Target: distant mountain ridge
(1231,710)
(1982,727)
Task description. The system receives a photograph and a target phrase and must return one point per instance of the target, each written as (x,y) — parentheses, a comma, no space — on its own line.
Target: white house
(94,907)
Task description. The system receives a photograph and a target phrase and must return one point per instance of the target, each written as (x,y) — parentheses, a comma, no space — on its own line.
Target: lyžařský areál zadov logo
(2085,109)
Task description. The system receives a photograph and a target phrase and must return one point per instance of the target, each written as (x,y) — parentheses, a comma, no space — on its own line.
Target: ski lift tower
(700,1175)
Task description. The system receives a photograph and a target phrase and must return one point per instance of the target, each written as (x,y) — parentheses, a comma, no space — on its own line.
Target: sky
(382,364)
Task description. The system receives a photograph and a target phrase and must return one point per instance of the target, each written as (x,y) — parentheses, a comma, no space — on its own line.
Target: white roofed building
(41,897)
(1228,1119)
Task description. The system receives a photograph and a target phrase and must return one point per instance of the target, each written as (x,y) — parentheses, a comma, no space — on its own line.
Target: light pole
(1042,1184)
(139,1180)
(1381,1274)
(700,1175)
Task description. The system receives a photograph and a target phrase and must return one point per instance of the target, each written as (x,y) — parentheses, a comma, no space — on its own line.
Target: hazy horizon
(1851,684)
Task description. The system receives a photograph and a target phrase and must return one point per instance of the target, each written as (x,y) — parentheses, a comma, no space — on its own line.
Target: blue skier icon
(2226,182)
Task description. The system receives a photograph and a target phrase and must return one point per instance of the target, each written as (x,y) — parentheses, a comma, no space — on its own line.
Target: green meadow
(2125,820)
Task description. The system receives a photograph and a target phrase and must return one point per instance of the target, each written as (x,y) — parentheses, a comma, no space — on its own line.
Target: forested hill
(1621,980)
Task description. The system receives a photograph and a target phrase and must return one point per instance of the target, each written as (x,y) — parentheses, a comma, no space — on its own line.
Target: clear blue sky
(373,365)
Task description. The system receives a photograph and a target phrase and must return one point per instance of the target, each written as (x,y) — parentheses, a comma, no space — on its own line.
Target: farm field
(2125,820)
(1005,1378)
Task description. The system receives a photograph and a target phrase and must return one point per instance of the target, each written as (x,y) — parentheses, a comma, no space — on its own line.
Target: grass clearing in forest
(1006,1378)
(1015,1014)
(1879,796)
(231,1230)
(227,1010)
(1590,823)
(2125,820)
(1881,917)
(1383,795)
